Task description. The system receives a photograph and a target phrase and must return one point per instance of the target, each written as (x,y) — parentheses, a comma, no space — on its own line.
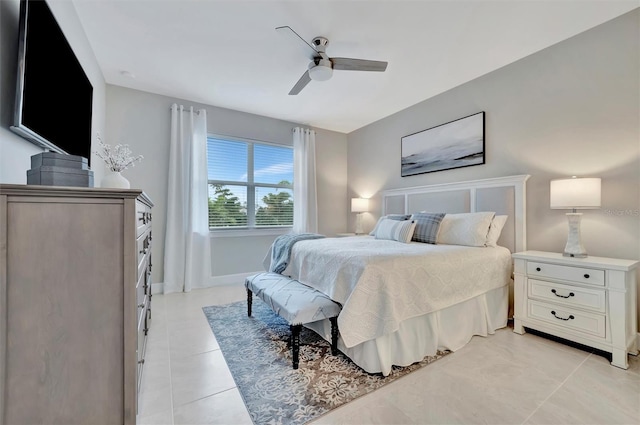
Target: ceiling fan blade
(309,50)
(349,64)
(302,82)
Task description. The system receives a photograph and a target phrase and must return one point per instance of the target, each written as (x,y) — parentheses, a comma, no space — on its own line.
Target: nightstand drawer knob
(562,318)
(571,294)
(538,269)
(586,276)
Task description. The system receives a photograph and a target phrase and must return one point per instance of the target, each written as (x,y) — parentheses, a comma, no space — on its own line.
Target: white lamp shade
(578,193)
(359,205)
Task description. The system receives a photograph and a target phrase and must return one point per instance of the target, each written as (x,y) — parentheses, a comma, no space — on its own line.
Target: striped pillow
(395,230)
(427,226)
(398,217)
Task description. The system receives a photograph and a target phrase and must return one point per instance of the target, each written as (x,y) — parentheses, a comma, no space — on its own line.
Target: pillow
(468,229)
(495,229)
(398,217)
(427,225)
(396,230)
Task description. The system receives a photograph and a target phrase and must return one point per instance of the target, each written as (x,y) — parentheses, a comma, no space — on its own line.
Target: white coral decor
(118,157)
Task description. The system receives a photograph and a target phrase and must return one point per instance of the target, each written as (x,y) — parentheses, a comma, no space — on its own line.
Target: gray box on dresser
(56,169)
(75,303)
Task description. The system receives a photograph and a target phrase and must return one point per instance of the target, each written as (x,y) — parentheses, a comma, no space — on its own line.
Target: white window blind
(250,184)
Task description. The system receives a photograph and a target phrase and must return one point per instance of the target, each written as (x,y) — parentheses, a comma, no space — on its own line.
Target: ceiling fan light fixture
(321,66)
(320,72)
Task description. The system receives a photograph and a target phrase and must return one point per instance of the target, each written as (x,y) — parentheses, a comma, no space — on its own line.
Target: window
(250,184)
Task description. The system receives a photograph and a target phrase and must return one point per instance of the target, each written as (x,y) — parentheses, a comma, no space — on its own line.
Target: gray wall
(15,152)
(570,109)
(142,120)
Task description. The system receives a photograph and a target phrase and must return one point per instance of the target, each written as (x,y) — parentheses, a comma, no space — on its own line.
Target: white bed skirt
(450,328)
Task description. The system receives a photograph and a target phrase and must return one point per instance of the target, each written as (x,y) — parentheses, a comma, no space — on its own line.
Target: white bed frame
(504,195)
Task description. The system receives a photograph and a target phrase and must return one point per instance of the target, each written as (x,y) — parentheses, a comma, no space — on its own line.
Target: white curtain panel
(187,252)
(305,203)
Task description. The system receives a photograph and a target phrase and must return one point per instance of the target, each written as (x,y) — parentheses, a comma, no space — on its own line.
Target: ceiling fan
(321,66)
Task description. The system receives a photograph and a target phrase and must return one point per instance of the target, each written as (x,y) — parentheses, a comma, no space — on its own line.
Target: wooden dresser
(75,303)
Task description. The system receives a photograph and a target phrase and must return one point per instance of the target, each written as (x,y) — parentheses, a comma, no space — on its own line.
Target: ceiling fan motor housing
(320,70)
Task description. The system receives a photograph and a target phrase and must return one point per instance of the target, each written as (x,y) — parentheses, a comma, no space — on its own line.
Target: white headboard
(504,195)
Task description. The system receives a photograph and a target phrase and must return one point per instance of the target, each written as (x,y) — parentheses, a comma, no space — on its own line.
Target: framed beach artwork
(456,144)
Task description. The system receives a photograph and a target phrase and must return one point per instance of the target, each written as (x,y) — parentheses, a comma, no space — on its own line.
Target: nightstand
(591,301)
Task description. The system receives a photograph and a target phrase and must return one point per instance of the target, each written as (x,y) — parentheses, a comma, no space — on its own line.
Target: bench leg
(295,343)
(334,336)
(249,301)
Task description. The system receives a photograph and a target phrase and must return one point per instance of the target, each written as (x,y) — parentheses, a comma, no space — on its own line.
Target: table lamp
(573,194)
(359,205)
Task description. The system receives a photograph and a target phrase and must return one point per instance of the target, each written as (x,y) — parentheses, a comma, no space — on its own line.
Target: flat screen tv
(54,97)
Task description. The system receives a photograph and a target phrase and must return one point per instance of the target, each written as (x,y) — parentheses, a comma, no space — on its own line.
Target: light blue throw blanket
(282,246)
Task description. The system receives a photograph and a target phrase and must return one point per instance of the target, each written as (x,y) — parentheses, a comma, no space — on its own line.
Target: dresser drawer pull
(571,294)
(538,269)
(586,276)
(562,318)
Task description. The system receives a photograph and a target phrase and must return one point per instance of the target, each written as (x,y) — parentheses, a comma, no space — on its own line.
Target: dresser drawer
(143,245)
(574,274)
(141,289)
(142,346)
(143,217)
(588,298)
(590,323)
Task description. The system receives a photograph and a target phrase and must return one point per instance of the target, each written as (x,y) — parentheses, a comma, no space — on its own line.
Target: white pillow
(468,229)
(495,229)
(395,230)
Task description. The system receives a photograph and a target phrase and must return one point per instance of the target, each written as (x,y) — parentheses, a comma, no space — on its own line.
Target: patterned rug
(255,349)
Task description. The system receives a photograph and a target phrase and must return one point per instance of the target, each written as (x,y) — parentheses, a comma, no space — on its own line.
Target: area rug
(255,349)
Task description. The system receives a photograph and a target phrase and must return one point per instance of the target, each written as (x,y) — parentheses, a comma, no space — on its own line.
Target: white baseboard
(229,279)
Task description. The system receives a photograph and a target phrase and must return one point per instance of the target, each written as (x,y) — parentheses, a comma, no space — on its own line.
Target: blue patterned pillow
(427,226)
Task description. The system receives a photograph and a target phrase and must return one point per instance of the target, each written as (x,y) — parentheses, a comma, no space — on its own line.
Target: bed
(404,301)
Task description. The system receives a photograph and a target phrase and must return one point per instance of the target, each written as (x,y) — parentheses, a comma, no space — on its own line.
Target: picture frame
(455,144)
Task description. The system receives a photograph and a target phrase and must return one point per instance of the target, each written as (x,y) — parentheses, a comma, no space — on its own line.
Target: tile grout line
(556,390)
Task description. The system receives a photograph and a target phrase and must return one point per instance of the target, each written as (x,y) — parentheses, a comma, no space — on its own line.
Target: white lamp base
(574,247)
(359,230)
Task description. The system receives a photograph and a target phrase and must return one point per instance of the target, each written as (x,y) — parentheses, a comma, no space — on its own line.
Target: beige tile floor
(503,379)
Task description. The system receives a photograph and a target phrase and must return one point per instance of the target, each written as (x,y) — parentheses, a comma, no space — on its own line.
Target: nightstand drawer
(574,274)
(592,299)
(590,323)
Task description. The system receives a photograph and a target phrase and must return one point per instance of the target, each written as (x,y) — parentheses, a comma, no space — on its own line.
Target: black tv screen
(54,97)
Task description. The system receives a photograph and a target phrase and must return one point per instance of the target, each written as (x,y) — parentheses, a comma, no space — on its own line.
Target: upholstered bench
(295,302)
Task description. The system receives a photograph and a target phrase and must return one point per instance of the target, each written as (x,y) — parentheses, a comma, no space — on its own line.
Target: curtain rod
(184,108)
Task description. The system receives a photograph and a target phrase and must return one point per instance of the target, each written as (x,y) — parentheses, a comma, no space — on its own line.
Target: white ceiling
(228,54)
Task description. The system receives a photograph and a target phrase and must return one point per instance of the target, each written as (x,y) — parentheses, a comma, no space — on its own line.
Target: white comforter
(380,283)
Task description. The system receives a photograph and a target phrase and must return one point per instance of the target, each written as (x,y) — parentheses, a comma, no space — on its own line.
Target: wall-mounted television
(54,97)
